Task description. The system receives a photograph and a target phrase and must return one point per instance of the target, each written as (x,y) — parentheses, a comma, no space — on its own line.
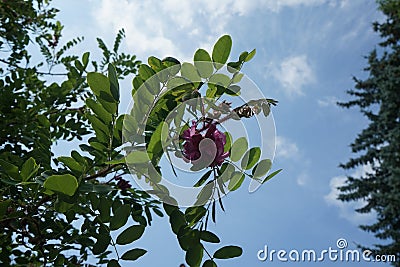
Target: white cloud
(347,209)
(294,73)
(328,101)
(285,148)
(303,178)
(161,27)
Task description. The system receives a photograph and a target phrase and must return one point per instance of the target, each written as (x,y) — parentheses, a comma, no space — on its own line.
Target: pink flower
(213,151)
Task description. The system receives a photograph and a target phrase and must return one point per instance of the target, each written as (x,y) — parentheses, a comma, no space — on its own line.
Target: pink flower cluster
(193,138)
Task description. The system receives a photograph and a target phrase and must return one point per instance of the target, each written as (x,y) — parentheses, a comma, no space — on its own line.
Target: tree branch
(102,172)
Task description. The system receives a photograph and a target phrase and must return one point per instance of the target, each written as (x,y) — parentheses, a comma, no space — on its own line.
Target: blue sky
(307,53)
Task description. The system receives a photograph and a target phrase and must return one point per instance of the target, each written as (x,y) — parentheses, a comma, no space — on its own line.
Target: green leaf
(137,157)
(102,243)
(239,147)
(261,168)
(236,181)
(228,143)
(266,109)
(98,109)
(136,83)
(233,90)
(194,256)
(194,214)
(133,254)
(243,56)
(221,51)
(271,175)
(65,183)
(85,59)
(202,62)
(155,144)
(209,237)
(151,81)
(234,67)
(113,263)
(177,220)
(155,63)
(4,207)
(209,263)
(71,163)
(203,179)
(169,209)
(188,238)
(219,79)
(114,86)
(99,83)
(228,252)
(62,206)
(29,169)
(237,77)
(205,195)
(79,66)
(250,55)
(251,158)
(120,217)
(190,72)
(104,209)
(146,72)
(98,125)
(172,64)
(130,234)
(10,169)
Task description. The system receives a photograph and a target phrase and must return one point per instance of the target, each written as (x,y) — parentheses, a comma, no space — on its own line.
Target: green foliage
(133,254)
(36,110)
(160,91)
(66,184)
(378,145)
(228,252)
(75,209)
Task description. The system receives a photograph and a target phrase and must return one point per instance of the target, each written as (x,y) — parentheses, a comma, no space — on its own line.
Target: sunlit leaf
(29,169)
(194,214)
(271,175)
(190,72)
(71,163)
(202,62)
(221,50)
(98,109)
(250,55)
(114,86)
(65,183)
(239,147)
(261,168)
(137,157)
(236,181)
(250,158)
